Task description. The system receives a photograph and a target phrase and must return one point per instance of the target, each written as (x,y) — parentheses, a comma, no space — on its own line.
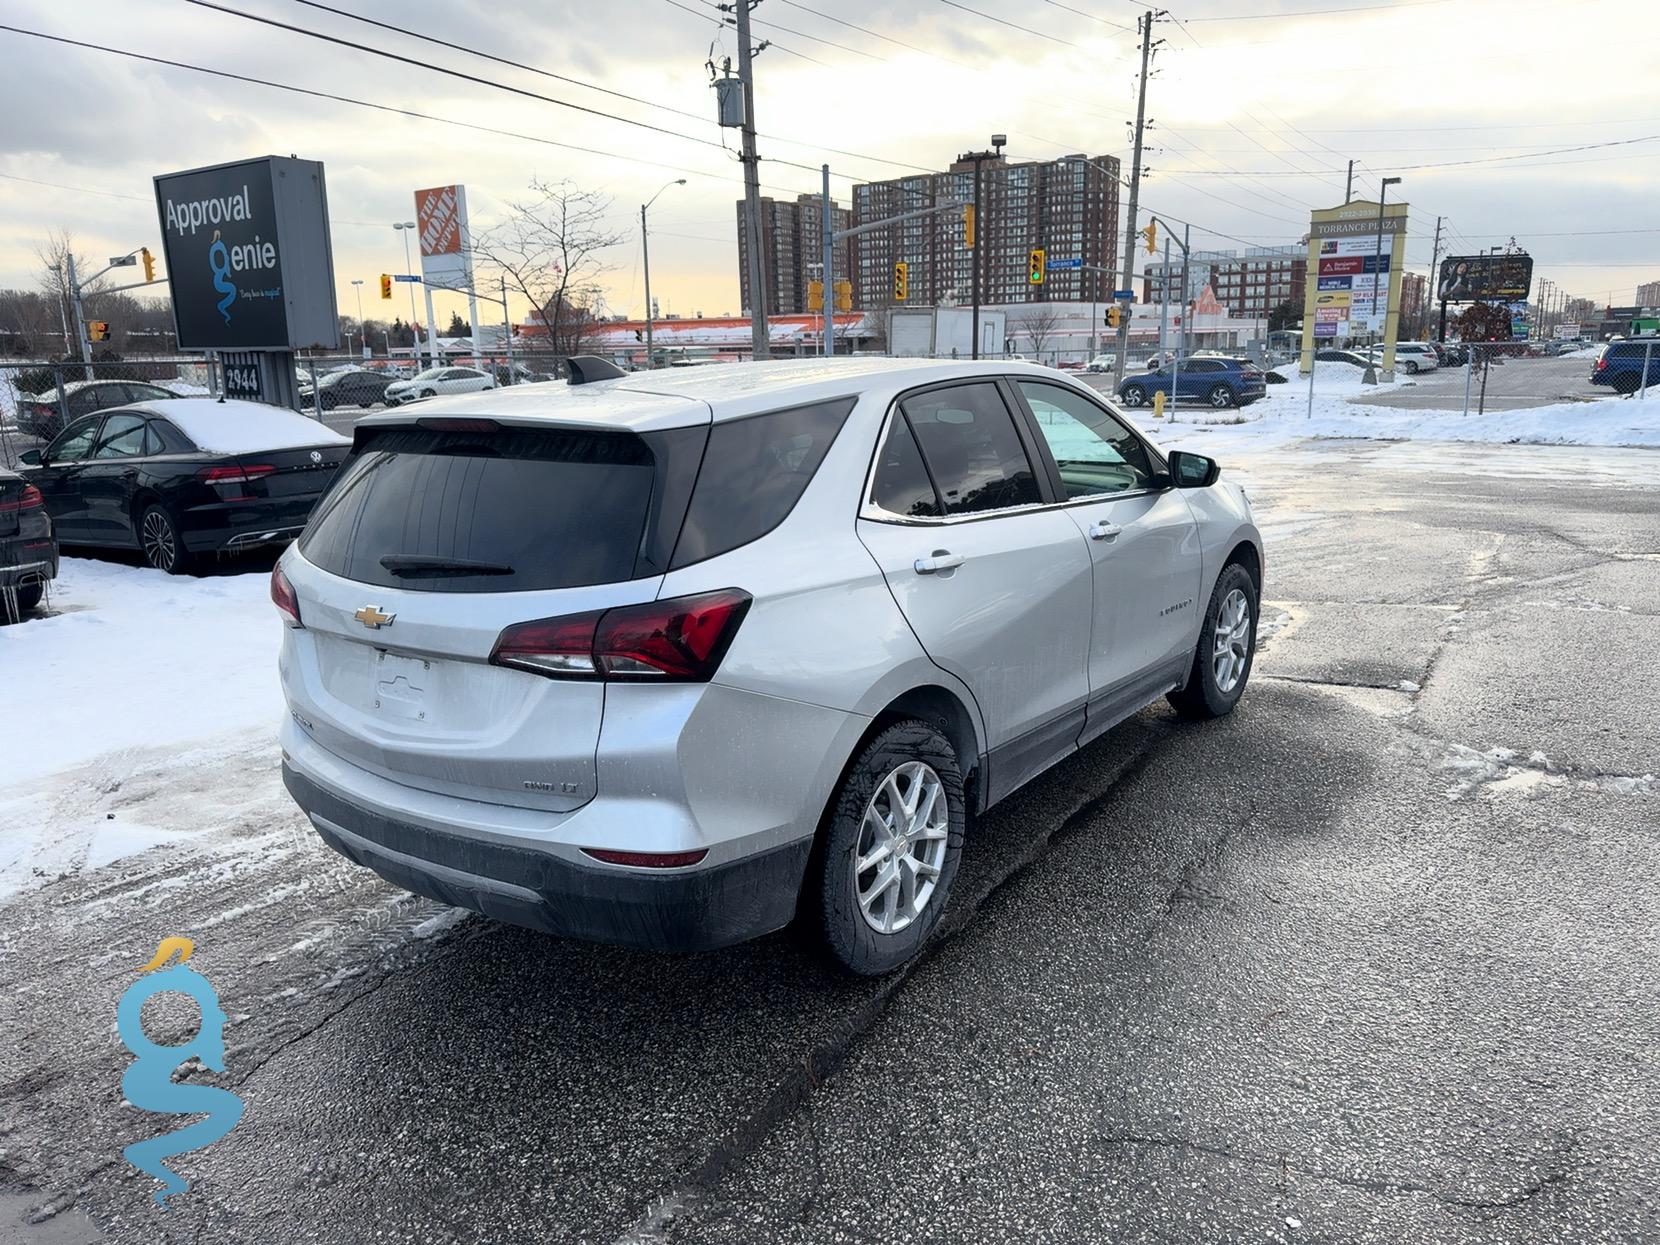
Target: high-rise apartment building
(1066,207)
(1248,283)
(792,239)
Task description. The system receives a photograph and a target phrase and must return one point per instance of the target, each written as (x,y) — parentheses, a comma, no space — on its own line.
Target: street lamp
(357,283)
(645,262)
(403,226)
(998,142)
(1377,265)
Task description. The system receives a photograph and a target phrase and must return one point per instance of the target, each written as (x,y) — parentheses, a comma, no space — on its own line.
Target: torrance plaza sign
(1354,277)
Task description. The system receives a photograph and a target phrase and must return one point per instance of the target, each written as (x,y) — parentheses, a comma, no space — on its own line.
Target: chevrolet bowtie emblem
(371,617)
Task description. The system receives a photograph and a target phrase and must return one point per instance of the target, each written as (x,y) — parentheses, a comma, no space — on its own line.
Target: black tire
(1133,395)
(1221,397)
(160,543)
(832,900)
(1203,697)
(1627,382)
(1411,367)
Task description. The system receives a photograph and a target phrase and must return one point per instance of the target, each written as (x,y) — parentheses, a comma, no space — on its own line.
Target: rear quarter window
(754,471)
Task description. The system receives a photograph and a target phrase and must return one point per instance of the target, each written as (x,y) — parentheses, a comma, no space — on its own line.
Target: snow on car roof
(232,427)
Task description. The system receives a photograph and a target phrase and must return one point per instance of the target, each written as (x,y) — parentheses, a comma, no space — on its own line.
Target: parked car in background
(1102,363)
(1411,357)
(540,643)
(182,478)
(28,548)
(1620,366)
(438,380)
(353,387)
(1352,357)
(38,414)
(1219,382)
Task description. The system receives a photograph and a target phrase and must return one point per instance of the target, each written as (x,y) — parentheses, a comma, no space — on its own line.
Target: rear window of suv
(509,510)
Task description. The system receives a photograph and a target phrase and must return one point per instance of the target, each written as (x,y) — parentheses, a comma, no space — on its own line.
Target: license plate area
(399,686)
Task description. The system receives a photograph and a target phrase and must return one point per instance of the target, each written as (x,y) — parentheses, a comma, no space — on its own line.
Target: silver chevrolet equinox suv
(673,659)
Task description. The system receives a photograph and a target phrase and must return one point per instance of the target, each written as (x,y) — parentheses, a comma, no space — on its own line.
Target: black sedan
(184,478)
(28,552)
(352,388)
(41,415)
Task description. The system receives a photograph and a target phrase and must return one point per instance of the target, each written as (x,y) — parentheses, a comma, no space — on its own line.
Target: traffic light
(901,281)
(1115,316)
(1151,233)
(149,265)
(98,330)
(1034,272)
(968,226)
(385,285)
(843,291)
(815,296)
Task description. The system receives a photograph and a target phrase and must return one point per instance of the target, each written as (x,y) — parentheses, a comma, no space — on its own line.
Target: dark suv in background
(1219,382)
(1621,365)
(39,416)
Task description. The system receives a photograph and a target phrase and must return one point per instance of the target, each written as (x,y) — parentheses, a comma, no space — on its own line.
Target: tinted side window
(172,440)
(973,452)
(122,437)
(902,485)
(74,443)
(754,471)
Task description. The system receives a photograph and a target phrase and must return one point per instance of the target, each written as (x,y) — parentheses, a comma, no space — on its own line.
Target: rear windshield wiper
(417,566)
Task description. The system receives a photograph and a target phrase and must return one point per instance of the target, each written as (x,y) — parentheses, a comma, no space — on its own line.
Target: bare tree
(1038,324)
(550,252)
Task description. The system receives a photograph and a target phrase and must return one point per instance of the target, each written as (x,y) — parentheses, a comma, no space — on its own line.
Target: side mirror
(31,458)
(1193,470)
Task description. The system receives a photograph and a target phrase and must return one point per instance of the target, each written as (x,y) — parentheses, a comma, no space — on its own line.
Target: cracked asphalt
(1373,960)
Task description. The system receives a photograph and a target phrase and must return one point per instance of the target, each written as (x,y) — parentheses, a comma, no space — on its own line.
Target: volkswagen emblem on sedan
(371,617)
(316,456)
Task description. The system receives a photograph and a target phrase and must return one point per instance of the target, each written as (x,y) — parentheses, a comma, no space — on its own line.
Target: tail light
(679,640)
(1601,363)
(28,499)
(234,478)
(282,596)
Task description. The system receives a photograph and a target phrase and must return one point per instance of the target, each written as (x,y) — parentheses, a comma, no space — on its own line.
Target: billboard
(1471,278)
(1356,255)
(249,261)
(441,214)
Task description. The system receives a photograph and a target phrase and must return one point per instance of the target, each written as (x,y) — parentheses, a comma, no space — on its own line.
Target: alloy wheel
(160,545)
(1221,397)
(901,847)
(1232,645)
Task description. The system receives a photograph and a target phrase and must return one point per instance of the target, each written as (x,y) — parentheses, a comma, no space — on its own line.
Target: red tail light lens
(678,640)
(1601,363)
(282,596)
(562,647)
(28,499)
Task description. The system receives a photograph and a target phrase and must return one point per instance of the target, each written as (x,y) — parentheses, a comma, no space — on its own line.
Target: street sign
(1064,265)
(1126,295)
(404,276)
(242,381)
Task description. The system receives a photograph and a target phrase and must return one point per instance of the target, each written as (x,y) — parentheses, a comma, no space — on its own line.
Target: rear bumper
(206,529)
(26,560)
(665,910)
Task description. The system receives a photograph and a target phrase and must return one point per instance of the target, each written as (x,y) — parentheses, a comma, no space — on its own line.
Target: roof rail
(587,368)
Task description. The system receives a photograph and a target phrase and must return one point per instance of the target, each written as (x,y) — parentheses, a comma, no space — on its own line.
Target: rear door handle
(1104,531)
(942,560)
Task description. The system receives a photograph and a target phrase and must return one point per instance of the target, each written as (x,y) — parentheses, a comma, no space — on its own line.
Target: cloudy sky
(1492,111)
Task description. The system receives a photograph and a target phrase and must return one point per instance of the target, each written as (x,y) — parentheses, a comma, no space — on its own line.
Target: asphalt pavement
(1515,384)
(1375,959)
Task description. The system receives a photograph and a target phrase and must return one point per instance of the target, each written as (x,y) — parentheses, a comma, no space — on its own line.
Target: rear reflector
(647,860)
(282,596)
(679,640)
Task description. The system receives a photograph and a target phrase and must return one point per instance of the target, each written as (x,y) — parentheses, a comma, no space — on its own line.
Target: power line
(875,34)
(1003,21)
(1091,16)
(686,8)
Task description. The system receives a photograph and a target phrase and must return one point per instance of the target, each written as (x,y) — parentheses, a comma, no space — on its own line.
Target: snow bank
(135,658)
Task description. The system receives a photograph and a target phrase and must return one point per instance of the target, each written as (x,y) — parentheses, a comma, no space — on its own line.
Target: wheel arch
(1246,554)
(144,496)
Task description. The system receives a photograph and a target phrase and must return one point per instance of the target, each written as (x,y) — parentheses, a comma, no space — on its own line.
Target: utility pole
(752,188)
(827,278)
(974,265)
(1349,186)
(1130,231)
(1434,258)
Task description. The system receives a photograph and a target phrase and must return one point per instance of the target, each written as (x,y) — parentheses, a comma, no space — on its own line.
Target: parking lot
(1515,384)
(1374,959)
